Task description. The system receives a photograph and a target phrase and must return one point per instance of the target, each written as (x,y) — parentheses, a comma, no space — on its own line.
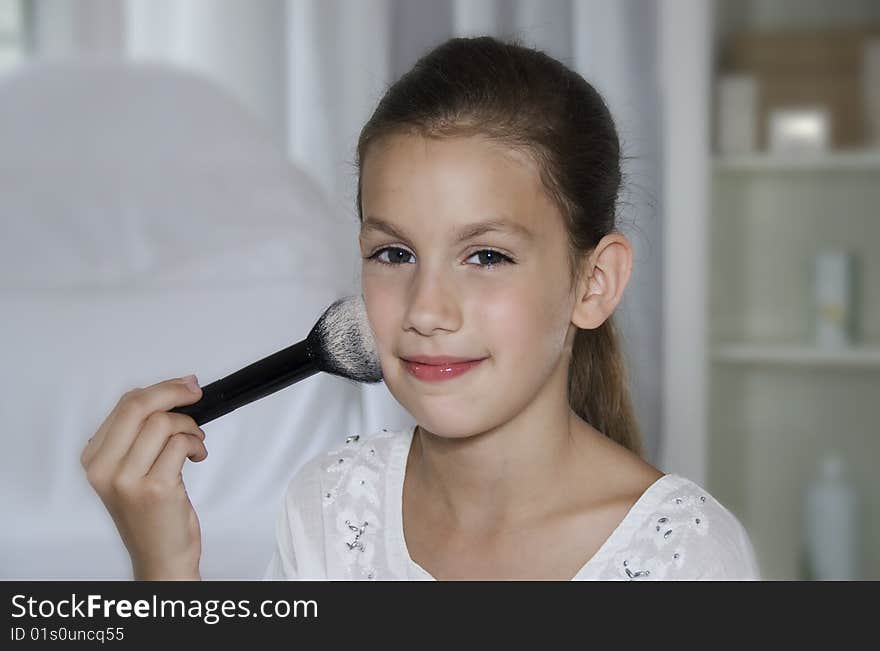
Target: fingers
(169,466)
(113,440)
(158,429)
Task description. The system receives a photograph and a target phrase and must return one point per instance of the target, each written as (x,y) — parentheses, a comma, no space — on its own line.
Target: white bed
(151,229)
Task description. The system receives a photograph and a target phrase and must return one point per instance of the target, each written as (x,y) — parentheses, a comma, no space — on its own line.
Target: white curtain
(240,45)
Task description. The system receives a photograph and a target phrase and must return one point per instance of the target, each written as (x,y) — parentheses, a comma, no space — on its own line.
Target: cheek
(383,306)
(525,322)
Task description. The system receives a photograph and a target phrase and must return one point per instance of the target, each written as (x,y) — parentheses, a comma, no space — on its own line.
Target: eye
(395,255)
(491,257)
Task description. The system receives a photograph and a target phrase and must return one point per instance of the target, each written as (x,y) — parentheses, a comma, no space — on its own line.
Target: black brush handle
(253,382)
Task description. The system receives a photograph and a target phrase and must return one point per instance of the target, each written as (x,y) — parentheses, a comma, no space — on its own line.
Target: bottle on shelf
(831,529)
(833,272)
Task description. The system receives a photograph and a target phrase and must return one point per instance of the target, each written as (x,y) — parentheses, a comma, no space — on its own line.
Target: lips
(439,368)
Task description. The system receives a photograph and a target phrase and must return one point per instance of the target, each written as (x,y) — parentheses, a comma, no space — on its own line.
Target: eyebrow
(466,232)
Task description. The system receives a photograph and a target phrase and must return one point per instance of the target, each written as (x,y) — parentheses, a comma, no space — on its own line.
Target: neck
(505,477)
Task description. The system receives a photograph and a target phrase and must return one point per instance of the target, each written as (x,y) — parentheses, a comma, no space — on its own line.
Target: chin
(447,433)
(445,426)
(443,410)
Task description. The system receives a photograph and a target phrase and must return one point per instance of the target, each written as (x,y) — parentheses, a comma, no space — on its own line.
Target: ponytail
(597,385)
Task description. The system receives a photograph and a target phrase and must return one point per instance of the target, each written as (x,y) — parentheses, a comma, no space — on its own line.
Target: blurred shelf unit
(796,355)
(778,399)
(843,160)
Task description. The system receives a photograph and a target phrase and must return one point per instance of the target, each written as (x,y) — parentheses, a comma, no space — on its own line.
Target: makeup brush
(340,343)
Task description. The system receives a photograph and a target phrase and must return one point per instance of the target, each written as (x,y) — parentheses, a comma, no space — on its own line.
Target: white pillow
(142,175)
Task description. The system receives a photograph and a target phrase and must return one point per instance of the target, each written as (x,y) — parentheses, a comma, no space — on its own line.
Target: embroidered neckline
(635,517)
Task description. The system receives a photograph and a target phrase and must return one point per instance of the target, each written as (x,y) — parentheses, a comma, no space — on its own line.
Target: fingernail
(192,383)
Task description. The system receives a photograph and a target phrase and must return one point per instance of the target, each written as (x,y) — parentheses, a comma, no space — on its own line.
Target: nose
(433,304)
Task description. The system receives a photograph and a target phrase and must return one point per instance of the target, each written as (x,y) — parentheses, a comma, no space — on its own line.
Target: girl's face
(504,294)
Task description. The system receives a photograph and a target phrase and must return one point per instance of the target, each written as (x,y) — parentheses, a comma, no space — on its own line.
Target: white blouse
(342,519)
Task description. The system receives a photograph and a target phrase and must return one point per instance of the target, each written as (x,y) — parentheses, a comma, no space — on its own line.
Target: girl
(488,182)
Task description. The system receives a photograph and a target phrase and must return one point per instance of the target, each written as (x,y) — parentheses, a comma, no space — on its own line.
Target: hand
(134,462)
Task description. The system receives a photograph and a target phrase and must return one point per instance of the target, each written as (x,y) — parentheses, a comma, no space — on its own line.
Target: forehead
(450,182)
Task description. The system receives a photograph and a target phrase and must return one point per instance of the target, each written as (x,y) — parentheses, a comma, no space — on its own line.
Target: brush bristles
(344,341)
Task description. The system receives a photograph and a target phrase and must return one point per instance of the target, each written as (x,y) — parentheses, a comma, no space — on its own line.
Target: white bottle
(832,287)
(831,524)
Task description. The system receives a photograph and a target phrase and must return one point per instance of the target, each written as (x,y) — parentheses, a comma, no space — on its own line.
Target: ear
(604,276)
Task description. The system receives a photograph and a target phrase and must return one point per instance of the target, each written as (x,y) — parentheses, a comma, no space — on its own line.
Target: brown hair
(524,99)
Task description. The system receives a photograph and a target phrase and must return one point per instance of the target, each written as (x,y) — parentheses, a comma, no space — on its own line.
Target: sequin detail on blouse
(353,472)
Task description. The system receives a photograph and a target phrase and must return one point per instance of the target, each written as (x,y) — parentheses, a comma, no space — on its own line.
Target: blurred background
(177,196)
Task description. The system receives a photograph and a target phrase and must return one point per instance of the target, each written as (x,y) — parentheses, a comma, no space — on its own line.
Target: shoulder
(680,531)
(712,542)
(319,499)
(369,452)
